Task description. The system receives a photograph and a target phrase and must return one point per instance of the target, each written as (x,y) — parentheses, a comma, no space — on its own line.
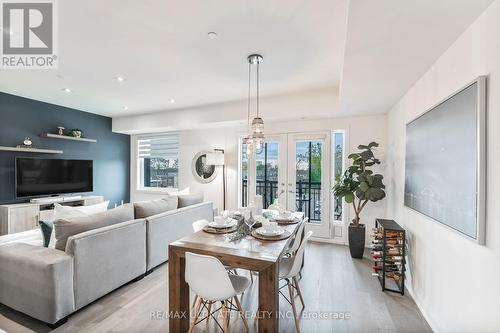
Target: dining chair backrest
(208,278)
(198,225)
(299,256)
(298,236)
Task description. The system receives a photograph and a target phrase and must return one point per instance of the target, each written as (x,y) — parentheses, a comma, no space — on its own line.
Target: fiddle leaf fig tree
(359,185)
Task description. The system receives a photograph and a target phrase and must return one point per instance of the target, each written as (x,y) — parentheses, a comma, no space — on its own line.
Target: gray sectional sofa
(50,284)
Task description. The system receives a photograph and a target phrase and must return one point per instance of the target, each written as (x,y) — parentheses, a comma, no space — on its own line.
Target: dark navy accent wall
(21,117)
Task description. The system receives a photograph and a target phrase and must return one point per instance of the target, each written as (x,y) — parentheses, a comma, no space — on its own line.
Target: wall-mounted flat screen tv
(39,176)
(445,162)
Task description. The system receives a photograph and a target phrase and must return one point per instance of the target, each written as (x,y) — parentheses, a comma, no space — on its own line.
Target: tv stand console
(25,216)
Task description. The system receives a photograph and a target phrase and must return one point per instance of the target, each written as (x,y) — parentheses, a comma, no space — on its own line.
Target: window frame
(345,211)
(139,164)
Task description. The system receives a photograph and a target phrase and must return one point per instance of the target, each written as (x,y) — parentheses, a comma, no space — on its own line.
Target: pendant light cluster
(255,138)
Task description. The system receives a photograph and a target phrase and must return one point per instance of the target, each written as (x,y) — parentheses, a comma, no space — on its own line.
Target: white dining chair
(297,237)
(199,225)
(208,279)
(289,269)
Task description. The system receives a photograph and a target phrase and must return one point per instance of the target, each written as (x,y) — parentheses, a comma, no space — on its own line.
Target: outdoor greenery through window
(266,170)
(158,161)
(308,179)
(267,173)
(338,163)
(244,175)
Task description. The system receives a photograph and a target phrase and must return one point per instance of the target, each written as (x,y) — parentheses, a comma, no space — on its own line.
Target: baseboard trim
(422,311)
(326,240)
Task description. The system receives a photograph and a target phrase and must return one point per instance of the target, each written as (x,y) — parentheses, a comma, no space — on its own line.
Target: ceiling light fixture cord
(249,83)
(258,64)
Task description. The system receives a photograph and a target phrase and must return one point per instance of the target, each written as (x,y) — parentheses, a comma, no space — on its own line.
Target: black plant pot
(357,240)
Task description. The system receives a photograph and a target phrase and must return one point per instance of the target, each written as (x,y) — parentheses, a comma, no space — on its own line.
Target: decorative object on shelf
(27,143)
(255,138)
(60,130)
(389,254)
(76,133)
(358,185)
(202,171)
(217,159)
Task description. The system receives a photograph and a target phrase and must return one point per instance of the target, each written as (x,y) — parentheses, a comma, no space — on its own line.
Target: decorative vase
(357,240)
(76,133)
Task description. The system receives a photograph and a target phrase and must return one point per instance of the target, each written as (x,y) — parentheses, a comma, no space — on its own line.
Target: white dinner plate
(284,219)
(268,232)
(227,224)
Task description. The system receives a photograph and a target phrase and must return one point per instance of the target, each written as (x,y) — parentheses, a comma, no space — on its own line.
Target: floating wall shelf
(67,137)
(31,150)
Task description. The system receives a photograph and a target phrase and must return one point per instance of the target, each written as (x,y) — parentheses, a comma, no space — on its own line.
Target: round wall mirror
(201,171)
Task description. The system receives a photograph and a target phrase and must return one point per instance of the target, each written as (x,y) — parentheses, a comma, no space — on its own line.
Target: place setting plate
(285,220)
(229,226)
(271,235)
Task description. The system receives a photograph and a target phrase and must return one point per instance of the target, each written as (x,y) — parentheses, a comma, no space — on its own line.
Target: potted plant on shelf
(359,185)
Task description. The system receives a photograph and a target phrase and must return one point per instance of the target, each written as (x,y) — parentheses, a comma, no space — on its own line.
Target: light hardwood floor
(332,283)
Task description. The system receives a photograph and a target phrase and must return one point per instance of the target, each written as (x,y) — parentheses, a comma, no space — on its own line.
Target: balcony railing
(307,196)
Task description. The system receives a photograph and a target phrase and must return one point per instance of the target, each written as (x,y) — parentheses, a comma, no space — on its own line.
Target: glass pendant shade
(258,127)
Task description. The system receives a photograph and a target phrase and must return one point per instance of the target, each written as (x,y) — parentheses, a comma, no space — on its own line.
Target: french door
(308,179)
(294,170)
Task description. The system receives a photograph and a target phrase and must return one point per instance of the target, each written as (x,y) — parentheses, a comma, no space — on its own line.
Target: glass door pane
(244,175)
(267,173)
(308,174)
(338,169)
(308,182)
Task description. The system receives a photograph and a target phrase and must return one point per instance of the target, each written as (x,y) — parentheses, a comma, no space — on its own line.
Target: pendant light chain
(258,78)
(249,94)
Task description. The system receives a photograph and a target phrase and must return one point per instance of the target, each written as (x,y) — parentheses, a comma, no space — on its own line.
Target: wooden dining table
(260,256)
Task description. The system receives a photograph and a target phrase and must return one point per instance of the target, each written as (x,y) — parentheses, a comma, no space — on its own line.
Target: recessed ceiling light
(212,35)
(125,107)
(67,90)
(172,101)
(120,78)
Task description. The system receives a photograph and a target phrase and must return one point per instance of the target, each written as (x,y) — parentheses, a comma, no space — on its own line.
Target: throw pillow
(46,227)
(145,209)
(75,211)
(190,199)
(67,227)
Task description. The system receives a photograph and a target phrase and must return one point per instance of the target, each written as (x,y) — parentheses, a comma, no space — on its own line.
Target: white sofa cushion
(32,237)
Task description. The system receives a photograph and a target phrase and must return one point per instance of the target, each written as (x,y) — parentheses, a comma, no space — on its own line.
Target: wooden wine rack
(389,254)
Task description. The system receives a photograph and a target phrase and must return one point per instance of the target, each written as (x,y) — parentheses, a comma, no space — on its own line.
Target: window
(158,161)
(338,169)
(266,172)
(244,175)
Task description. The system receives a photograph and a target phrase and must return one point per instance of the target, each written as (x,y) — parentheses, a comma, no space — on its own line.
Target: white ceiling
(391,43)
(162,49)
(373,50)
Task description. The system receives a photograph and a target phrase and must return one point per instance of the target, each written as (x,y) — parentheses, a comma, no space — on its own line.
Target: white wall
(455,282)
(221,127)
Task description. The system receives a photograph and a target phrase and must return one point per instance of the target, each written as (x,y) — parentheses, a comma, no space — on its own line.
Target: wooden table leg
(178,293)
(268,299)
